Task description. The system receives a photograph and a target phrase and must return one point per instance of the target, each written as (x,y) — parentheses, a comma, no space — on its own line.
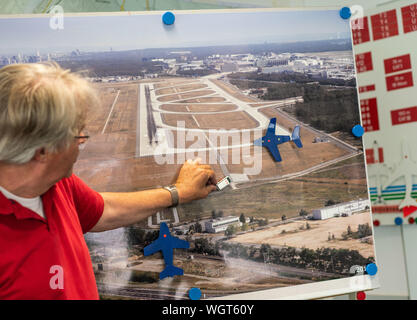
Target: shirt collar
(8,206)
(5,205)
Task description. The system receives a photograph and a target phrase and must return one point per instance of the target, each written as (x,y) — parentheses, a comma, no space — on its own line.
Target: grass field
(341,182)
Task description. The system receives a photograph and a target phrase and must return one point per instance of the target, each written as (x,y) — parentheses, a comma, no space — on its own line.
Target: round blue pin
(345,13)
(371,269)
(398,221)
(358,130)
(168,18)
(194,294)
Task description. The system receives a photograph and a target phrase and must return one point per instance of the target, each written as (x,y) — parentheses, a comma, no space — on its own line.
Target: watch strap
(174,194)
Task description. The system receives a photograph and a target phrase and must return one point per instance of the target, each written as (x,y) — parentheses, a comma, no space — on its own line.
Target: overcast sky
(95,33)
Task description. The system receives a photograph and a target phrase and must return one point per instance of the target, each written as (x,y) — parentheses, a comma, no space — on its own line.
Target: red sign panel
(371,158)
(406,115)
(399,81)
(363,62)
(367,88)
(397,64)
(369,112)
(384,24)
(360,31)
(409,15)
(385,209)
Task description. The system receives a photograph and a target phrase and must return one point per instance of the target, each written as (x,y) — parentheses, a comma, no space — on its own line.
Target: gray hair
(41,106)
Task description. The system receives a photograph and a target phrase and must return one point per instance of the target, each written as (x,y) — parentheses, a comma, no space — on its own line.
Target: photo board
(384,46)
(295,221)
(386,35)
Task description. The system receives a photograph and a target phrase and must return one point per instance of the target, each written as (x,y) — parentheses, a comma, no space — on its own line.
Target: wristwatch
(174,194)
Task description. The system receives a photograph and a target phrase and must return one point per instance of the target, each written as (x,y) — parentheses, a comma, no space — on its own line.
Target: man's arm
(195,181)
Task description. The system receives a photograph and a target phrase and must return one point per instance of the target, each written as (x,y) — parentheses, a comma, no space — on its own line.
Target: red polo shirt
(48,258)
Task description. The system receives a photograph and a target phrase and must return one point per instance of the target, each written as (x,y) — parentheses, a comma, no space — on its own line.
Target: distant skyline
(128,32)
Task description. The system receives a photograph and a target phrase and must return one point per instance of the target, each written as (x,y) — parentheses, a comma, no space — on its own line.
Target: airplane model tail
(295,137)
(171,271)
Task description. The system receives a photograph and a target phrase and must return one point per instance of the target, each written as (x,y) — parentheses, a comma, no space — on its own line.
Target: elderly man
(44,207)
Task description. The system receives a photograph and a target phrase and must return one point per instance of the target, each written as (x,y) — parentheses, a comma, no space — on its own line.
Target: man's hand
(195,181)
(121,209)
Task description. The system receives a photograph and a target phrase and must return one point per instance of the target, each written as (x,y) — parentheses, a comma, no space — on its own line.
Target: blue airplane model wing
(274,151)
(152,248)
(179,244)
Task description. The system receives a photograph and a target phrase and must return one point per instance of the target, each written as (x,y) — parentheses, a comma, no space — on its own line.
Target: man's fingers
(206,176)
(210,173)
(210,188)
(205,166)
(196,161)
(211,179)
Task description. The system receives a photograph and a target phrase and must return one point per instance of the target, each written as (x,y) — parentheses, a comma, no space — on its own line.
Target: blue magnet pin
(398,221)
(371,269)
(168,18)
(358,130)
(194,294)
(167,243)
(345,13)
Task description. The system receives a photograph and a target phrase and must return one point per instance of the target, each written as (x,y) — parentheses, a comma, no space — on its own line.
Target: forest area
(329,109)
(329,104)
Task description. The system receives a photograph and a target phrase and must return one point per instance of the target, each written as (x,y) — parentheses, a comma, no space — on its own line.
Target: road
(337,141)
(290,176)
(271,269)
(111,110)
(137,292)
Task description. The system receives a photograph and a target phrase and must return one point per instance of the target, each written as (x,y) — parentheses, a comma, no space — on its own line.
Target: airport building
(337,210)
(229,67)
(279,68)
(221,224)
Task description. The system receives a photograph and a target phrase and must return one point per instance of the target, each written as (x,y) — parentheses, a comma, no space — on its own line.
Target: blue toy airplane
(271,140)
(167,243)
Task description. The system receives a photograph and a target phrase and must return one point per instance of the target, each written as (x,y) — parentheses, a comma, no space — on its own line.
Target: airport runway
(146,149)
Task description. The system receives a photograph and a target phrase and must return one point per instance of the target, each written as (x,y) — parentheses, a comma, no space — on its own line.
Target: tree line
(329,260)
(288,77)
(329,110)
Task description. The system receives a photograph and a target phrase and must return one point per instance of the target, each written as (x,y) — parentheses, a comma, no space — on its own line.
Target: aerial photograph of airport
(267,98)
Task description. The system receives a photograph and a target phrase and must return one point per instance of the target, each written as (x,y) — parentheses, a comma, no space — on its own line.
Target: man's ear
(41,155)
